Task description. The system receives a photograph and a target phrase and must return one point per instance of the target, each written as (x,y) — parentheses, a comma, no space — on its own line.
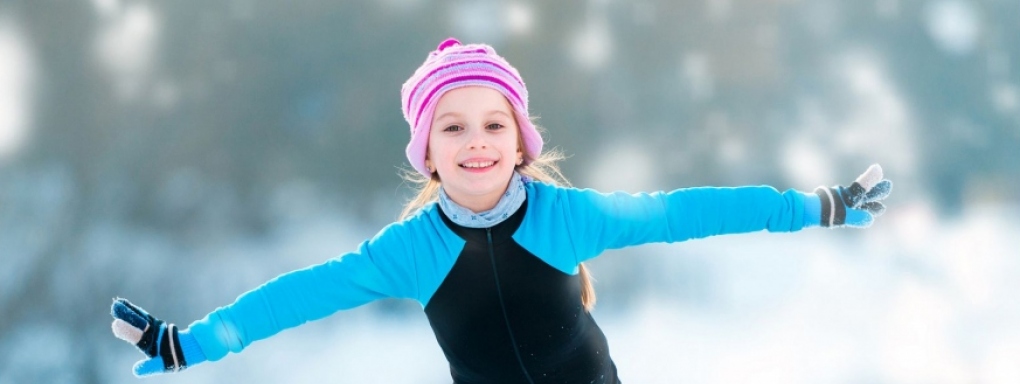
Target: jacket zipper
(502,305)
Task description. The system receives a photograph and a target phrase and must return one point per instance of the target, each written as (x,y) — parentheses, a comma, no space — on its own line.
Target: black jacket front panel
(504,315)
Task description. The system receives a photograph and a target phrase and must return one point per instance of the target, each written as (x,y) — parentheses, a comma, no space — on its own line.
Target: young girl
(492,247)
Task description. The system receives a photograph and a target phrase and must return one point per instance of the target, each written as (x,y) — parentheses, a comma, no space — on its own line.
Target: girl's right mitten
(168,349)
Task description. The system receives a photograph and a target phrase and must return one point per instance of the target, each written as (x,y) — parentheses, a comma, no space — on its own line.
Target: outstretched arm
(382,267)
(605,221)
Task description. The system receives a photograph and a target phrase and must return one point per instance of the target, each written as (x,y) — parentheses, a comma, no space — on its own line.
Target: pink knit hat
(453,65)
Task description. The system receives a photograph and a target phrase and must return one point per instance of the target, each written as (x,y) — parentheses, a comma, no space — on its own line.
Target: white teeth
(478,164)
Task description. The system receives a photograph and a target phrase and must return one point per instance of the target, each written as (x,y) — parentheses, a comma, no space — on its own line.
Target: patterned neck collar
(507,205)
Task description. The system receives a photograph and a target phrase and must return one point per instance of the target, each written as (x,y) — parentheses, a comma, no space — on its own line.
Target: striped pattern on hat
(453,65)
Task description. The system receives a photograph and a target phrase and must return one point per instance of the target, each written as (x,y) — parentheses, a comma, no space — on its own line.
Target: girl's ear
(520,156)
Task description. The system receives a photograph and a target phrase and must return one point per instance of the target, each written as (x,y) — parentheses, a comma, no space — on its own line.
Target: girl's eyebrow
(497,112)
(451,113)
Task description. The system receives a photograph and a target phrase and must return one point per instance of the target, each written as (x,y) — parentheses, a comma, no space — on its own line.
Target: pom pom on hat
(454,65)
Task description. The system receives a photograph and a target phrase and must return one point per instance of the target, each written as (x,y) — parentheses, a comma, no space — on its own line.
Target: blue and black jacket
(504,302)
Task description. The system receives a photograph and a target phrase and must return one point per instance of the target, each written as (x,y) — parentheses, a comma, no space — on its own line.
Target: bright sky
(16,86)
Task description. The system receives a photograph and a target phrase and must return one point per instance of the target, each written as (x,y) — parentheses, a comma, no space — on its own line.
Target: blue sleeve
(381,267)
(607,221)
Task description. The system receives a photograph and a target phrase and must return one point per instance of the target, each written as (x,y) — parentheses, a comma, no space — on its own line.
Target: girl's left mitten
(853,206)
(168,349)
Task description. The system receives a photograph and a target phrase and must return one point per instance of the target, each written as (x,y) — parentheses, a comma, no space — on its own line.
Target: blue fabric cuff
(812,210)
(192,351)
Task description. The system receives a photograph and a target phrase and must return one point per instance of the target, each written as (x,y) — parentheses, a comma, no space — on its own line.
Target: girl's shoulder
(544,189)
(551,199)
(423,230)
(426,216)
(558,194)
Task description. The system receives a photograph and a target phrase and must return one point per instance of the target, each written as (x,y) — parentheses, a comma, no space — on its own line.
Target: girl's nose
(476,140)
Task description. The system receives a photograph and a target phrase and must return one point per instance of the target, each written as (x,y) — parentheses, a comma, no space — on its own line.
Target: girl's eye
(494,126)
(453,128)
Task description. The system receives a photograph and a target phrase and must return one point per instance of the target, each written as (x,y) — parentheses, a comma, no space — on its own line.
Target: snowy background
(180,153)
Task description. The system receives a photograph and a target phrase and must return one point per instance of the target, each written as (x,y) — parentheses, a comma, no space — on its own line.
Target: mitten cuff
(192,351)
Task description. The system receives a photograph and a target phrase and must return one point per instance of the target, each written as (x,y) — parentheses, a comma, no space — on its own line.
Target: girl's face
(473,145)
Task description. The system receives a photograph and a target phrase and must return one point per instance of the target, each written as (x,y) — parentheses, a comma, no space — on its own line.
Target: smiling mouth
(477,164)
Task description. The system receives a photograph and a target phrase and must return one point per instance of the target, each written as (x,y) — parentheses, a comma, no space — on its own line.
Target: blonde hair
(544,169)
